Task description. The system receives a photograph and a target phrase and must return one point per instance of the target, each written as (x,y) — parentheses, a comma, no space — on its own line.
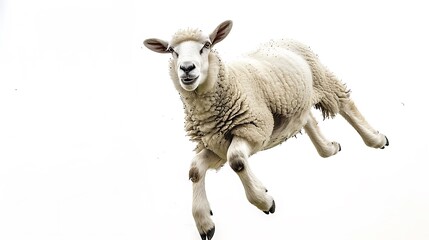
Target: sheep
(235,109)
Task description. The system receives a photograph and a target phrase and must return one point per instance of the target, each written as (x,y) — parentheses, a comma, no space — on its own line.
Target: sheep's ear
(156,45)
(221,32)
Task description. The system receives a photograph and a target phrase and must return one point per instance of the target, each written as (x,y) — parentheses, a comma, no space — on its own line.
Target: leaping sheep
(235,109)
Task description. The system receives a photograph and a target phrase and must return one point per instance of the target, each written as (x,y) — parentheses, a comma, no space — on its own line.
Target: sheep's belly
(286,127)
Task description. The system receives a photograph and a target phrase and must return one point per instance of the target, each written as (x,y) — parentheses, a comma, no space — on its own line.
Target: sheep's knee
(237,166)
(236,161)
(203,161)
(194,174)
(238,152)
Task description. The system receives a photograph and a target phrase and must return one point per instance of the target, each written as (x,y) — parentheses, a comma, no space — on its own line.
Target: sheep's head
(190,50)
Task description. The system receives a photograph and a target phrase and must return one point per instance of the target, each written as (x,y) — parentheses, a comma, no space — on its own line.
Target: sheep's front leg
(256,193)
(201,210)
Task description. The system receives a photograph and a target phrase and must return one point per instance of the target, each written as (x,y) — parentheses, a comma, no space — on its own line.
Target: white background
(92,144)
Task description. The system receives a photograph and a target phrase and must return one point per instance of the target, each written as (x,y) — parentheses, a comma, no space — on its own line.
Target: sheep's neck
(208,114)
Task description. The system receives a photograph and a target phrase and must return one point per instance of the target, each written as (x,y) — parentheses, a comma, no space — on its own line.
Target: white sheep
(236,109)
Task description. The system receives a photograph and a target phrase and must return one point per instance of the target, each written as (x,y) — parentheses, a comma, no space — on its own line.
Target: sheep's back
(278,77)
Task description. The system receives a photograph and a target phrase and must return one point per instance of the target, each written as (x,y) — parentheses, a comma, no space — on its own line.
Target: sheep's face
(191,60)
(190,50)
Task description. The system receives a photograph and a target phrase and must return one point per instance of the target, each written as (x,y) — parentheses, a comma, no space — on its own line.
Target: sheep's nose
(187,67)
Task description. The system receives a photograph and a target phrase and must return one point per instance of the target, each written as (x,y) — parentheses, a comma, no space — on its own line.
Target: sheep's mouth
(188,80)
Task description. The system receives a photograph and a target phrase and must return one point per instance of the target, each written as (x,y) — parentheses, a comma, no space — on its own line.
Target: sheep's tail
(331,95)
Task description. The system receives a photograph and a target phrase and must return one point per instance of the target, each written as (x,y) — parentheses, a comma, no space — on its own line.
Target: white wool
(251,104)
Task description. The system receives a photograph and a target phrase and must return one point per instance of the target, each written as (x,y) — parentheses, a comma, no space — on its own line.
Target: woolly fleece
(256,96)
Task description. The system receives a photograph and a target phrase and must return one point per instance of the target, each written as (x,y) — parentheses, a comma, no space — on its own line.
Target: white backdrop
(92,144)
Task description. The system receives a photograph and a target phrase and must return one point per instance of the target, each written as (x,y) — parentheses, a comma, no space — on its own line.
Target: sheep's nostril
(187,67)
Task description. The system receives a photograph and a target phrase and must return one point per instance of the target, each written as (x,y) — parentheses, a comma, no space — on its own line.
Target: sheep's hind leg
(256,193)
(370,136)
(201,211)
(324,147)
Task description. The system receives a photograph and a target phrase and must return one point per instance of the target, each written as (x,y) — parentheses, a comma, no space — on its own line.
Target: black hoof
(272,208)
(211,213)
(208,235)
(339,147)
(385,145)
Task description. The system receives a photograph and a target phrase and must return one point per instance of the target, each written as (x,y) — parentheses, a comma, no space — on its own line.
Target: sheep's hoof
(272,208)
(386,144)
(208,235)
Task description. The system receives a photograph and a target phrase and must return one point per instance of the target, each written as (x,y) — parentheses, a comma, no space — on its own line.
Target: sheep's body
(235,109)
(264,97)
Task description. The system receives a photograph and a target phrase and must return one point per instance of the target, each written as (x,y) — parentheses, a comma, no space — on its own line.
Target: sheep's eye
(171,50)
(206,46)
